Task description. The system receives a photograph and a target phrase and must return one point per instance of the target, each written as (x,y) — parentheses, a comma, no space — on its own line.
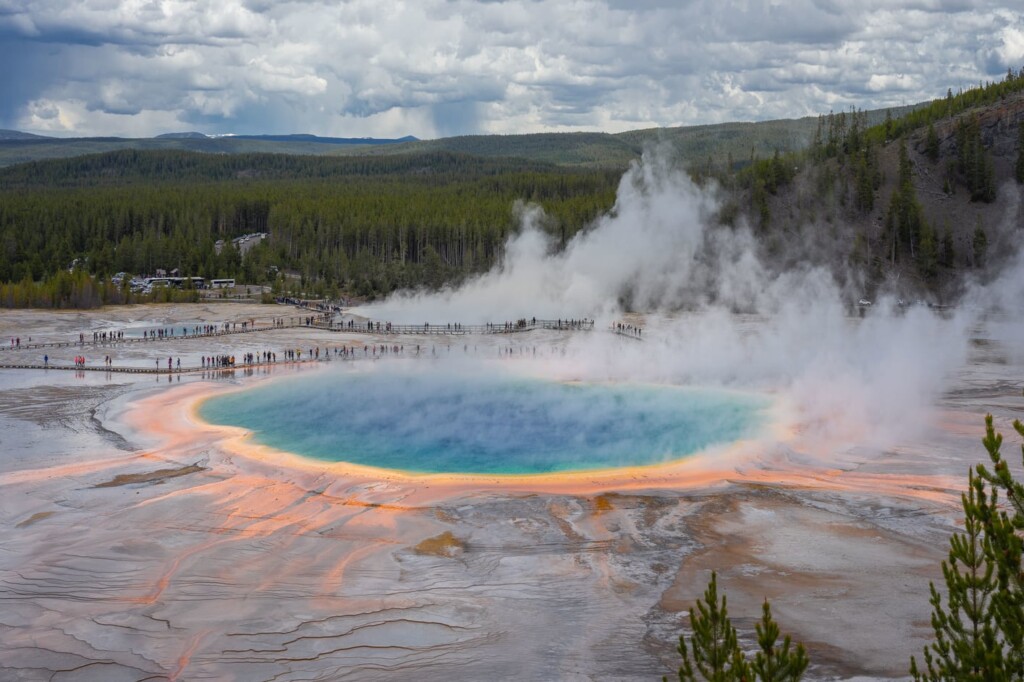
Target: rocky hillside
(955,209)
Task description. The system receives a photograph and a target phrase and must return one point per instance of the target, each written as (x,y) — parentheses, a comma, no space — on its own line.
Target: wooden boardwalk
(453,329)
(110,342)
(365,327)
(355,326)
(120,369)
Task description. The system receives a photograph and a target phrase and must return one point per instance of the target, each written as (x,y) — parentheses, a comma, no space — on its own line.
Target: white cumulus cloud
(441,67)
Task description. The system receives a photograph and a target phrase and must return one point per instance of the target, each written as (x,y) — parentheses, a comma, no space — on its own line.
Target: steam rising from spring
(646,249)
(660,251)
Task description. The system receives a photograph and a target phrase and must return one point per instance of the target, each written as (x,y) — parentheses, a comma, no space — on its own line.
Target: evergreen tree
(1005,550)
(932,143)
(974,163)
(928,254)
(966,642)
(1019,168)
(948,257)
(817,146)
(865,198)
(859,252)
(773,663)
(980,244)
(904,223)
(714,645)
(979,629)
(716,654)
(759,198)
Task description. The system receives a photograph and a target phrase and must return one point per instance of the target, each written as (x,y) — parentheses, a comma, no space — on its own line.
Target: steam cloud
(646,249)
(717,314)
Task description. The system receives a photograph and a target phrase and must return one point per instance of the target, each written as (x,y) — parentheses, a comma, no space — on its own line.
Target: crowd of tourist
(325,314)
(172,332)
(323,306)
(219,361)
(627,329)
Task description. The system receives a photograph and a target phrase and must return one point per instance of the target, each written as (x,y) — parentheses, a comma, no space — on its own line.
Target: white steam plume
(848,379)
(643,249)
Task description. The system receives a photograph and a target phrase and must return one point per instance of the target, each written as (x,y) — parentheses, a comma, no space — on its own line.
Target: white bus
(221,283)
(179,282)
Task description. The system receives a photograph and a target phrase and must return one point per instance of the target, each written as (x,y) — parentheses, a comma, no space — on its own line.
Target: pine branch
(979,630)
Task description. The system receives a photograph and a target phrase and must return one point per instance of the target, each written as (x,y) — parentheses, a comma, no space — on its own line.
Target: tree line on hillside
(133,166)
(594,150)
(951,105)
(845,167)
(847,138)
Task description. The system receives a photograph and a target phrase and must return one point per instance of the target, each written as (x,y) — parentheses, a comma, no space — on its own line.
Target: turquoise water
(439,421)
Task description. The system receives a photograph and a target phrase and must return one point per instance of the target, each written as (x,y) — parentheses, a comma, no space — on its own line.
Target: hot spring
(453,420)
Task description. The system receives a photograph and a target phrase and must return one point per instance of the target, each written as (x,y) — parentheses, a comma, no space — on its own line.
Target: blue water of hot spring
(442,421)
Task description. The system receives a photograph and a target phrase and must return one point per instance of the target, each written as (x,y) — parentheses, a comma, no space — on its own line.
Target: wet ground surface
(138,545)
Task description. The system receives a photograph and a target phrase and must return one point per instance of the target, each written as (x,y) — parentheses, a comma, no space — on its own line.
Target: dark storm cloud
(792,22)
(441,67)
(37,66)
(453,118)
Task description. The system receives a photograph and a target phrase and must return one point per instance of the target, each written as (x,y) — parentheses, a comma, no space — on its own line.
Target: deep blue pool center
(477,422)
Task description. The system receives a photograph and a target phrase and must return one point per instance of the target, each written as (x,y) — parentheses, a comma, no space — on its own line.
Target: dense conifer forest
(363,226)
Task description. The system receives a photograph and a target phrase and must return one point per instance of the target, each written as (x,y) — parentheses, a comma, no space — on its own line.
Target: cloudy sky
(434,68)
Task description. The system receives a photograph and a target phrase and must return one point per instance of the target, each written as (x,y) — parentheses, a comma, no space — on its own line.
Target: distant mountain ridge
(301,137)
(191,135)
(721,142)
(18,135)
(296,137)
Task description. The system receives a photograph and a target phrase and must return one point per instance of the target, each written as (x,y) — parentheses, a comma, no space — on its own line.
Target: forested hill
(565,149)
(129,166)
(364,226)
(910,205)
(725,144)
(23,148)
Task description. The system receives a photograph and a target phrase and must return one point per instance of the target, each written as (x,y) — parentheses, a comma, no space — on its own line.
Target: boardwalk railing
(110,341)
(169,370)
(427,329)
(356,327)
